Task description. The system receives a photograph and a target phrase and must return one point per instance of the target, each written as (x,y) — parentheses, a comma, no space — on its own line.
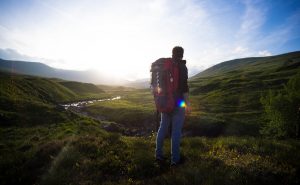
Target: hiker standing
(170,88)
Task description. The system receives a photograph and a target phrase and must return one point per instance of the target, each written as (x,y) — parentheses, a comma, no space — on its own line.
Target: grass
(135,115)
(29,100)
(41,143)
(15,87)
(231,91)
(82,88)
(80,152)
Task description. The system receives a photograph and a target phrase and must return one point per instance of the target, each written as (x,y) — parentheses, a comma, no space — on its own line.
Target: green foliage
(39,155)
(23,113)
(281,110)
(231,91)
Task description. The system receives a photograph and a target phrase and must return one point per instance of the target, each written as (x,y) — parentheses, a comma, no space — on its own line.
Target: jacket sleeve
(183,79)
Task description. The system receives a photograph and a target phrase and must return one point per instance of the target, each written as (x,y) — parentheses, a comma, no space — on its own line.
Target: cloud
(113,35)
(239,49)
(264,53)
(253,18)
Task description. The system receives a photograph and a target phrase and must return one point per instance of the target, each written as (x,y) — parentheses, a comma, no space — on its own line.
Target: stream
(87,102)
(79,108)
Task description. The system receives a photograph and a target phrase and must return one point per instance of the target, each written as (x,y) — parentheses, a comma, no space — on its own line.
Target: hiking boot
(173,165)
(180,162)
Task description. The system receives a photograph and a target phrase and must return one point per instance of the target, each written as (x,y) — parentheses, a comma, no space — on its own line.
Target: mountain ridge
(241,61)
(43,70)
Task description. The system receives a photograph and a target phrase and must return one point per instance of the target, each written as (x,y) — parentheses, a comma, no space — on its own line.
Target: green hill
(42,143)
(254,64)
(227,96)
(28,99)
(30,88)
(82,88)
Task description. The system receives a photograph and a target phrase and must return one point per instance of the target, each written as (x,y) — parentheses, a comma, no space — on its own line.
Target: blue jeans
(177,119)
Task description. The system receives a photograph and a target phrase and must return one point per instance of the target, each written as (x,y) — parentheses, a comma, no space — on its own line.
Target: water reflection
(84,103)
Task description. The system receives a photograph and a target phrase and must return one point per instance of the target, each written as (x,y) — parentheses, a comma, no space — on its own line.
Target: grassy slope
(82,88)
(225,98)
(134,112)
(69,149)
(79,152)
(29,99)
(18,87)
(288,60)
(33,88)
(227,95)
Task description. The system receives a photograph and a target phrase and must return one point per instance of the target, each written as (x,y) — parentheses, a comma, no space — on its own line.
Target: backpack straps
(173,77)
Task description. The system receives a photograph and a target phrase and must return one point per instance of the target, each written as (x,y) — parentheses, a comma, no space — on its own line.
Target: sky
(122,38)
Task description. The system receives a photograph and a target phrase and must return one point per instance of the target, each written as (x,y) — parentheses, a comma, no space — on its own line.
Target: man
(177,116)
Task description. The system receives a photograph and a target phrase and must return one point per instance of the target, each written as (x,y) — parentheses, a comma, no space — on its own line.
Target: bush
(280,116)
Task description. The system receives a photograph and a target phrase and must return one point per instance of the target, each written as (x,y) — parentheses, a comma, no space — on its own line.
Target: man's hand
(188,109)
(187,103)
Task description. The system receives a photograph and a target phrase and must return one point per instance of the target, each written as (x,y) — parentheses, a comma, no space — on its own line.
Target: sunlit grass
(89,154)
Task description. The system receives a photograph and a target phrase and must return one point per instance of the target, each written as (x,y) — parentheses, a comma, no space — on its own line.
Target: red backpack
(164,83)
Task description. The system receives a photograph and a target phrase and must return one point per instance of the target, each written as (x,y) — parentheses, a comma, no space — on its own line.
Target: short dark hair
(178,52)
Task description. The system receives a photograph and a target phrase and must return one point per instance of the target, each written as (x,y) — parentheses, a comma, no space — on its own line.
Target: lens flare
(182,103)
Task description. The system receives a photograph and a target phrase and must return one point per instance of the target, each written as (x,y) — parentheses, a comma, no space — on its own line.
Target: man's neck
(176,59)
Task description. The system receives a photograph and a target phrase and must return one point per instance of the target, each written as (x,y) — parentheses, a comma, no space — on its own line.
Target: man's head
(177,53)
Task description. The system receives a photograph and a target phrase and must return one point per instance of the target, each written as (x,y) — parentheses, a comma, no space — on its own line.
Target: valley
(56,131)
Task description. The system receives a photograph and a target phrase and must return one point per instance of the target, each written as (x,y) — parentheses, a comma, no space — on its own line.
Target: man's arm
(186,91)
(186,98)
(187,103)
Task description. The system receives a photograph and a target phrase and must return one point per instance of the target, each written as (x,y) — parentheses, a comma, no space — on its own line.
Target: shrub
(281,109)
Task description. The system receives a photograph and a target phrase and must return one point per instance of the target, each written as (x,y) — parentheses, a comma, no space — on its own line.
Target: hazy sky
(123,37)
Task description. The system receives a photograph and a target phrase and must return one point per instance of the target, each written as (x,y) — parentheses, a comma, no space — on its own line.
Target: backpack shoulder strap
(157,65)
(168,63)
